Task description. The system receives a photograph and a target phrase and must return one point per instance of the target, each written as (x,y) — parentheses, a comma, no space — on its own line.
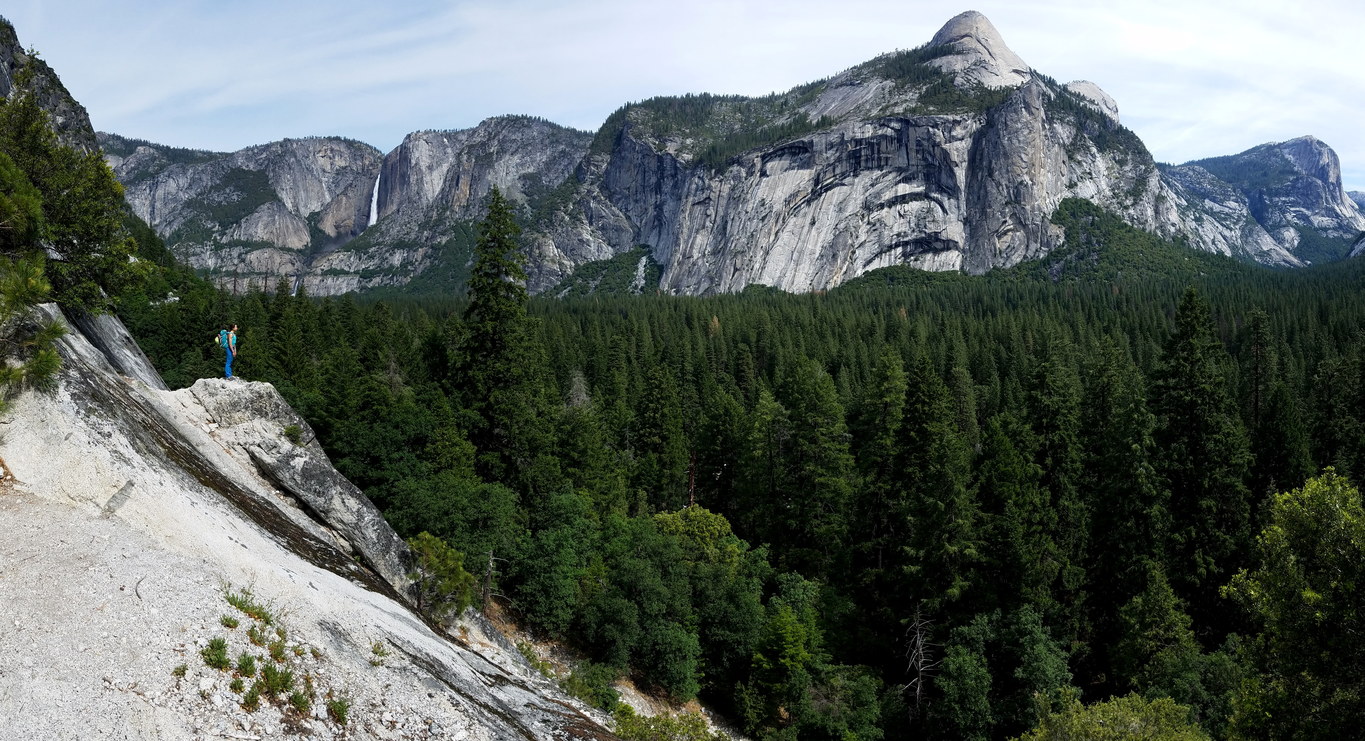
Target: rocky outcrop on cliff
(1100,100)
(69,118)
(980,56)
(132,512)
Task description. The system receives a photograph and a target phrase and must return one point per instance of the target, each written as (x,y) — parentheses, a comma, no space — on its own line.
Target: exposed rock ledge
(129,509)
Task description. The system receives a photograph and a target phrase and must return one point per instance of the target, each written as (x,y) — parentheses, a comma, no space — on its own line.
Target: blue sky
(1194,78)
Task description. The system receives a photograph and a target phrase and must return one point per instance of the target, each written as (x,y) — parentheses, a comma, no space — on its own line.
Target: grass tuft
(246,665)
(245,601)
(215,654)
(337,708)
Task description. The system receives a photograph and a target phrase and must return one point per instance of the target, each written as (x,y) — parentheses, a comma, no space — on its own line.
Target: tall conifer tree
(1204,460)
(496,370)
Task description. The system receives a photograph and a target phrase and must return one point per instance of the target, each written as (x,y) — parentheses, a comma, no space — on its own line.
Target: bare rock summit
(1093,94)
(981,54)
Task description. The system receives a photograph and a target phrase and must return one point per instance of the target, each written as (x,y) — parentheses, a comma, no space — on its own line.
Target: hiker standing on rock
(227,339)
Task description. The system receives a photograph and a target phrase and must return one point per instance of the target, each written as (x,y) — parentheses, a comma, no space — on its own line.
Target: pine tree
(497,367)
(1279,440)
(819,471)
(880,507)
(661,453)
(1054,410)
(1204,461)
(1021,522)
(1130,521)
(944,546)
(82,202)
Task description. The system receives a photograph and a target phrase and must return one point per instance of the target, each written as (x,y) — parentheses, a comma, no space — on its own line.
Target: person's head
(234,328)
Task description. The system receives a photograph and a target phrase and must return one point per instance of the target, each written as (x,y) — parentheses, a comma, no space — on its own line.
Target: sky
(1193,78)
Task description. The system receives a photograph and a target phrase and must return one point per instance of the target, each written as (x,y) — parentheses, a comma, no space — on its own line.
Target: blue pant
(227,368)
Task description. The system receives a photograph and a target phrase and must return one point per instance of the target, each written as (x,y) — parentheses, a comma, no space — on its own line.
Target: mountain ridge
(949,156)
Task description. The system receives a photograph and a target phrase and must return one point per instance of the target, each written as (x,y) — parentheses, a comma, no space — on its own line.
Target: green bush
(337,708)
(277,681)
(245,601)
(442,585)
(682,727)
(301,702)
(246,665)
(215,654)
(592,683)
(1120,719)
(252,699)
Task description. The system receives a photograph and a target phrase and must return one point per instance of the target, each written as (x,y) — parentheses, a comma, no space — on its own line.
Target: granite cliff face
(252,217)
(951,156)
(948,157)
(293,209)
(431,189)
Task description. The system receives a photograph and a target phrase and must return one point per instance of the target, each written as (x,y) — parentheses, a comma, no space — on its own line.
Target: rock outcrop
(69,117)
(980,55)
(131,511)
(1101,100)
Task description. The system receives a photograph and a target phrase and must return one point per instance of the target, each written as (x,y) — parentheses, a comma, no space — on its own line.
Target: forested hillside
(920,505)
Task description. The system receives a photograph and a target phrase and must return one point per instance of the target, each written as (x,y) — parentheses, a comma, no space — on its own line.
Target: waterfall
(374,199)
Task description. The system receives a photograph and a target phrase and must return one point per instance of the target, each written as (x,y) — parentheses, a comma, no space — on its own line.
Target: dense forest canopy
(919,505)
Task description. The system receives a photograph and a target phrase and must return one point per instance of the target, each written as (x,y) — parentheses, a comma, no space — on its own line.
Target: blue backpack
(223,338)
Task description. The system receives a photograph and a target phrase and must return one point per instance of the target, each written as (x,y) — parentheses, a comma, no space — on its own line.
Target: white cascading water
(374,199)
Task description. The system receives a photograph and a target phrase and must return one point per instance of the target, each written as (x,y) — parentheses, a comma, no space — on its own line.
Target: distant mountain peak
(982,56)
(1312,156)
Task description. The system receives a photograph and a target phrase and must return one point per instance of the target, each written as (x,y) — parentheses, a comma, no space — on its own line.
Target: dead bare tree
(920,657)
